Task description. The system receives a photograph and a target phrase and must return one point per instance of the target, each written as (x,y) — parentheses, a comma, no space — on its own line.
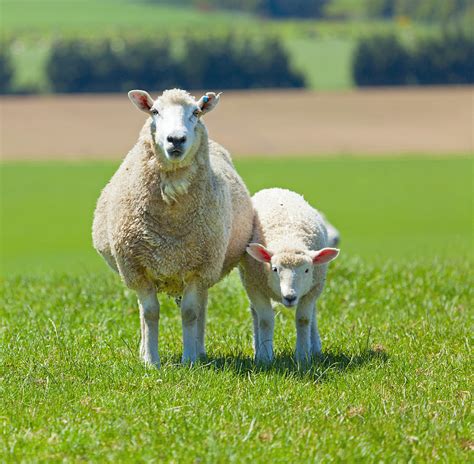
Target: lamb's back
(283,215)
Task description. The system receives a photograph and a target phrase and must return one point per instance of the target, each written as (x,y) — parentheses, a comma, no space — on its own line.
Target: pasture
(394,382)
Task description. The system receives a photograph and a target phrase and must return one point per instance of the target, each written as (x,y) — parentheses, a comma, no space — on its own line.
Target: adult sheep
(175,217)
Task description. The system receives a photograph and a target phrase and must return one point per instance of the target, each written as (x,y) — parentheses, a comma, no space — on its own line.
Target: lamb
(175,217)
(286,262)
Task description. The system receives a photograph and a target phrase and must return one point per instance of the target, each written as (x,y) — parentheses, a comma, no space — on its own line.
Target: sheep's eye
(154,111)
(274,269)
(307,270)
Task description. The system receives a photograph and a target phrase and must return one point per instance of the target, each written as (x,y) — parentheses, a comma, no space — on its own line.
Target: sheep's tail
(334,236)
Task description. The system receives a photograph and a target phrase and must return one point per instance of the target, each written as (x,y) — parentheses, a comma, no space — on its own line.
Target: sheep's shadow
(319,370)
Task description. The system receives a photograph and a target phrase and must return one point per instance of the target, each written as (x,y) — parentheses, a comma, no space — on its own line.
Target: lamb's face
(290,276)
(290,273)
(176,126)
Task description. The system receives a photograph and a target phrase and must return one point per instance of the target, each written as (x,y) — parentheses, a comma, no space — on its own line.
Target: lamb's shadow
(321,369)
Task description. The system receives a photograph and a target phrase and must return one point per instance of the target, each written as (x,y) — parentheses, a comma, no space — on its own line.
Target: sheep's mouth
(175,154)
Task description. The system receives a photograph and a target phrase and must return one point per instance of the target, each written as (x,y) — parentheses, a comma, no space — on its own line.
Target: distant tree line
(430,10)
(385,60)
(435,10)
(269,8)
(111,65)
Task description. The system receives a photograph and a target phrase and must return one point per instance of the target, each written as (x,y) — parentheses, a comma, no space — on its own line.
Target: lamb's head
(290,273)
(176,126)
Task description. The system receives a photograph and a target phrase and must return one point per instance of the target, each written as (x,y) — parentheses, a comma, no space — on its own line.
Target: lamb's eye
(274,269)
(154,111)
(307,270)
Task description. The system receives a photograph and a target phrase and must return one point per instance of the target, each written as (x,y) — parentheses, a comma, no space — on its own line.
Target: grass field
(320,49)
(394,383)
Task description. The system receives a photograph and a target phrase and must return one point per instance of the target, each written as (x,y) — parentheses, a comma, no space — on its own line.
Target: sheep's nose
(289,300)
(176,141)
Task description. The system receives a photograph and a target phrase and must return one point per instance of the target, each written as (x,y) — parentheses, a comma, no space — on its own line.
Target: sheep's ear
(141,100)
(259,252)
(324,255)
(208,102)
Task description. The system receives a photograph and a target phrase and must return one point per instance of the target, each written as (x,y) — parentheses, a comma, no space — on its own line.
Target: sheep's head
(176,126)
(290,273)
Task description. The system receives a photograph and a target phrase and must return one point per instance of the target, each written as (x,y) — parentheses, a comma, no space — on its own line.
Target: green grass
(398,208)
(393,384)
(395,380)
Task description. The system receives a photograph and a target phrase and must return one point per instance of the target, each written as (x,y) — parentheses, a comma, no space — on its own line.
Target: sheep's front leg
(255,330)
(263,324)
(303,321)
(193,307)
(149,319)
(201,331)
(315,338)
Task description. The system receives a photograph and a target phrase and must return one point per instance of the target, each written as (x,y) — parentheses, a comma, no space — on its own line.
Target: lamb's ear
(324,255)
(141,100)
(259,252)
(208,102)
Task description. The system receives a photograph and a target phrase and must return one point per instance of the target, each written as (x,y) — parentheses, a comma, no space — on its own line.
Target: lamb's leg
(263,323)
(201,331)
(303,320)
(149,319)
(315,339)
(256,342)
(192,305)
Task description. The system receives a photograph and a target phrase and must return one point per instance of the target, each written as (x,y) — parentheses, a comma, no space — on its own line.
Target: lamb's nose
(176,141)
(289,300)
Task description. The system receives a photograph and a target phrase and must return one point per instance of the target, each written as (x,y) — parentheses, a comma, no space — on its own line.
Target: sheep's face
(176,125)
(290,274)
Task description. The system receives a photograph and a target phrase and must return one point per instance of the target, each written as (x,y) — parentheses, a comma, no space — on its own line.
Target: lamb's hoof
(156,363)
(304,359)
(188,360)
(263,360)
(202,357)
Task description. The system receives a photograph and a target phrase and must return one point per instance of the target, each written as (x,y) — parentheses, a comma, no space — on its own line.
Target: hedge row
(385,60)
(6,69)
(108,65)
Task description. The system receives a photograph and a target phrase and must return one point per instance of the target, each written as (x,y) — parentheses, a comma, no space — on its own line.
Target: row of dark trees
(385,60)
(268,8)
(431,10)
(115,65)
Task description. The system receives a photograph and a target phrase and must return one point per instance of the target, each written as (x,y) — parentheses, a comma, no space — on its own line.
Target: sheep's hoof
(149,363)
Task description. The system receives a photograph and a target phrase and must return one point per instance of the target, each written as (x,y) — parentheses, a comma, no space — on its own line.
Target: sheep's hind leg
(149,319)
(192,307)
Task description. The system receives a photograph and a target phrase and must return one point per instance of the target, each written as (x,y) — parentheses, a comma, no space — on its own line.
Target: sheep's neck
(177,182)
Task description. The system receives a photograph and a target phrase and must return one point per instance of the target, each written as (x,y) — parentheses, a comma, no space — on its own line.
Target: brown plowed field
(378,122)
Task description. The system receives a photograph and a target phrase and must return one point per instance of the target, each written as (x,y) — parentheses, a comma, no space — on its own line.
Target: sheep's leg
(263,323)
(201,331)
(149,319)
(256,342)
(303,321)
(315,338)
(192,305)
